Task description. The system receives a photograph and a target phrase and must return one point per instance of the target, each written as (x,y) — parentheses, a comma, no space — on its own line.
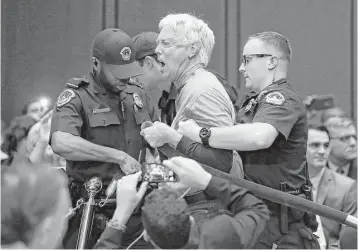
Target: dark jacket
(223,231)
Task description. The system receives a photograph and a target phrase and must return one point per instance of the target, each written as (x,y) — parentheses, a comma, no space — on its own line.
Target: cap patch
(126,53)
(65,97)
(275,98)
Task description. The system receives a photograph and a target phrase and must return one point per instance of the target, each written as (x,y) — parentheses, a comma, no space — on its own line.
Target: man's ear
(193,50)
(273,62)
(149,62)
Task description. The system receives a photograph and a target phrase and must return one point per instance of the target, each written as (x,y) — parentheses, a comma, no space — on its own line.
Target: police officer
(97,118)
(271,137)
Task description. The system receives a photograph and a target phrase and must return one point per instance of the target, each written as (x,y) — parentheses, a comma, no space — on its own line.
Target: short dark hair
(166,218)
(318,127)
(276,40)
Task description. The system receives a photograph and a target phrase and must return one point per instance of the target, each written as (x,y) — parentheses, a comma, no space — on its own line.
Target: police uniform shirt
(281,107)
(86,109)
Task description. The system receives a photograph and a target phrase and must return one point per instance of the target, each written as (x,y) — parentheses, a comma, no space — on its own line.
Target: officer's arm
(251,214)
(243,137)
(213,110)
(269,121)
(75,148)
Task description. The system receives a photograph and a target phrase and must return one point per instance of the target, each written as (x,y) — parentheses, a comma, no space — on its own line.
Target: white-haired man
(185,44)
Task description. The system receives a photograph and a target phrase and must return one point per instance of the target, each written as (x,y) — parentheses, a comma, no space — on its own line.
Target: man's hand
(129,165)
(190,129)
(128,197)
(157,134)
(190,173)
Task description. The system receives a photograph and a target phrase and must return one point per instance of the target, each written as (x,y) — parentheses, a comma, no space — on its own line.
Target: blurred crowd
(35,185)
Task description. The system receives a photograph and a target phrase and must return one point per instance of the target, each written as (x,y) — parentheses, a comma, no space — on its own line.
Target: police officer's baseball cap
(114,46)
(145,44)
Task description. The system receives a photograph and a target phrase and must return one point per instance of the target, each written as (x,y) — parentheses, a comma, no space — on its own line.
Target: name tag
(104,110)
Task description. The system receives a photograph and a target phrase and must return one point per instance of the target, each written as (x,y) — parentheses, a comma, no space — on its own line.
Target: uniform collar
(275,83)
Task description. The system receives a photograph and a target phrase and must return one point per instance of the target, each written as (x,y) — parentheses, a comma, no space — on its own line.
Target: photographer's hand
(190,173)
(128,197)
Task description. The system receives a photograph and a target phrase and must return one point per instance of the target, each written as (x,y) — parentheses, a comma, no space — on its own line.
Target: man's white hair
(195,31)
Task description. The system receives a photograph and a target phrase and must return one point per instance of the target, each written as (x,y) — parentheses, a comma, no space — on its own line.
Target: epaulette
(135,83)
(77,82)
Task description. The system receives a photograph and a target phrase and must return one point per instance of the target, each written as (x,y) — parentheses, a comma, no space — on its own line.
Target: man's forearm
(75,148)
(220,159)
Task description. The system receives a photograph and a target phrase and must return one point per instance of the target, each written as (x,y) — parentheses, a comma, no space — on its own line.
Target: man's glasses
(346,139)
(247,58)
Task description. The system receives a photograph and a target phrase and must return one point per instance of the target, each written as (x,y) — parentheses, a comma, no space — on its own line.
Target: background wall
(45,42)
(321,34)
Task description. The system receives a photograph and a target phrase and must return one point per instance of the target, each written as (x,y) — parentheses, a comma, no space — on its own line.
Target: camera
(156,173)
(320,102)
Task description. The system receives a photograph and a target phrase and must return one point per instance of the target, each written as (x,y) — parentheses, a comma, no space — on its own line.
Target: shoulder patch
(65,97)
(77,82)
(275,98)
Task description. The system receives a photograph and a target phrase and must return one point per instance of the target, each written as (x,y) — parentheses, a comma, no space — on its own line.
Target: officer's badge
(137,100)
(275,98)
(126,53)
(65,97)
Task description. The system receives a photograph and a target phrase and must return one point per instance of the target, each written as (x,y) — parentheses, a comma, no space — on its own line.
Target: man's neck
(313,171)
(192,66)
(338,162)
(269,80)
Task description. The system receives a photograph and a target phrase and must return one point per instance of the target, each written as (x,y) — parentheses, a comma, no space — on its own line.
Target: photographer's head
(113,58)
(35,200)
(166,219)
(265,58)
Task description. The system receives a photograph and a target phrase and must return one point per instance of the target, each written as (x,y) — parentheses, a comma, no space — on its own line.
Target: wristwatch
(205,135)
